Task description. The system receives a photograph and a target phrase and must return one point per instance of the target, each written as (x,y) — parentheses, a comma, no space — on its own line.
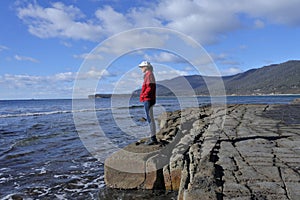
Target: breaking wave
(30,114)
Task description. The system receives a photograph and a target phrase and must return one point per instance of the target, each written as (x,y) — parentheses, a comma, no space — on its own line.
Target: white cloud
(29,86)
(206,21)
(242,47)
(20,81)
(202,20)
(189,68)
(89,56)
(164,57)
(224,59)
(230,62)
(95,73)
(67,76)
(25,58)
(259,24)
(276,11)
(169,74)
(58,21)
(231,71)
(112,21)
(218,57)
(131,41)
(66,44)
(164,72)
(24,80)
(2,48)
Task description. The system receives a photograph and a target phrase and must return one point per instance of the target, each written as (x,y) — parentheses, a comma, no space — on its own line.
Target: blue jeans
(149,115)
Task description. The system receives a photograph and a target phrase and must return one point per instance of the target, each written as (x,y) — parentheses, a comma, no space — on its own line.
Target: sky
(54,49)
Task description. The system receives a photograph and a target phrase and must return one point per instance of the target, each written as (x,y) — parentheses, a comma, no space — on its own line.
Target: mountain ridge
(283,78)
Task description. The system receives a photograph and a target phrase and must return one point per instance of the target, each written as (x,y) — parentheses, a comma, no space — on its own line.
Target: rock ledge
(237,152)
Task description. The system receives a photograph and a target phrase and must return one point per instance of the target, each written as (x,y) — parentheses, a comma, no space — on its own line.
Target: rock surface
(232,152)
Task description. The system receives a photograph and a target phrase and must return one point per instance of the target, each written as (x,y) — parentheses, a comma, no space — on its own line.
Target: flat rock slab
(127,168)
(232,152)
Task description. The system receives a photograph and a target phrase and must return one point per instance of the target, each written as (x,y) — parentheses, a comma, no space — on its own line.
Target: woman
(148,97)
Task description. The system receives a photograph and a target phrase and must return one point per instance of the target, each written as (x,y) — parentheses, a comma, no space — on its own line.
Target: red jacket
(148,92)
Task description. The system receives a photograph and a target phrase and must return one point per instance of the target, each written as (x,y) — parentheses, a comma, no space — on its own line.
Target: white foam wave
(30,114)
(61,196)
(41,170)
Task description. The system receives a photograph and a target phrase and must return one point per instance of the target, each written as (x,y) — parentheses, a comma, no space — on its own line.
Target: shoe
(152,141)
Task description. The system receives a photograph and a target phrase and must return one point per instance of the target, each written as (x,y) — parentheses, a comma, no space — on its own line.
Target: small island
(95,96)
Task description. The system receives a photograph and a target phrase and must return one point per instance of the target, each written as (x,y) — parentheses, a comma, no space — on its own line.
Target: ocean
(55,148)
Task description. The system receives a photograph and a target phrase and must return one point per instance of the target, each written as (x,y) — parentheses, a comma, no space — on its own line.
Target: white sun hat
(144,64)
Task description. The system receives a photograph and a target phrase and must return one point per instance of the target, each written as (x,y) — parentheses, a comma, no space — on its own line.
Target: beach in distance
(43,157)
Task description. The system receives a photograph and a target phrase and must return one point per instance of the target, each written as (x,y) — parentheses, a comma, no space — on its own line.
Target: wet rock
(127,168)
(16,197)
(142,119)
(296,101)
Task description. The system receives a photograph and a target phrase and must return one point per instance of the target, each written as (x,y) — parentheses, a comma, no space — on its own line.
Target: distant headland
(96,96)
(274,79)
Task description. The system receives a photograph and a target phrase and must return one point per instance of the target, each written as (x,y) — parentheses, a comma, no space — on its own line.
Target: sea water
(43,154)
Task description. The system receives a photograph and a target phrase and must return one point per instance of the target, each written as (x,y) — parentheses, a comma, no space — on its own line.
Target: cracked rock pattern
(233,152)
(259,156)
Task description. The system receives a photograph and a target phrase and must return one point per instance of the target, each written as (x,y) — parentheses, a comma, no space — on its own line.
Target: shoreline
(86,98)
(233,95)
(253,153)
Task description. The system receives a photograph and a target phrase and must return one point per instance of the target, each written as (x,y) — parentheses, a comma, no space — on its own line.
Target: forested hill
(281,78)
(278,79)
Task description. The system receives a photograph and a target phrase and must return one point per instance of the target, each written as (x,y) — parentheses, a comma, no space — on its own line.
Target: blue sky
(45,46)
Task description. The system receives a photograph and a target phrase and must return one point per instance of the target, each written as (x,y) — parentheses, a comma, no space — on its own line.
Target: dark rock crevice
(284,184)
(268,138)
(218,170)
